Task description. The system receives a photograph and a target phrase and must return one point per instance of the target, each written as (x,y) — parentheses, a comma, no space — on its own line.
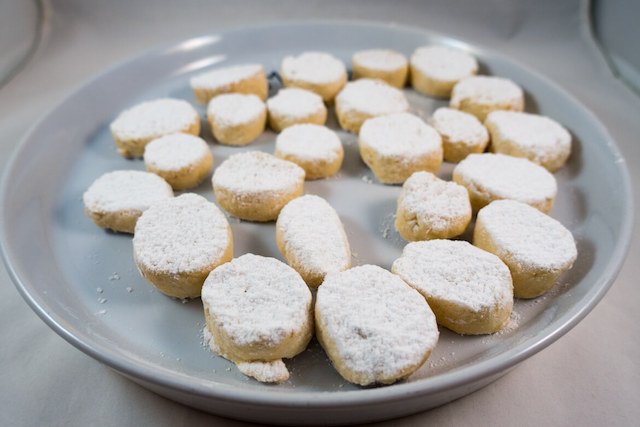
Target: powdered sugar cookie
(430,208)
(316,149)
(383,64)
(396,145)
(235,118)
(258,311)
(255,185)
(318,72)
(469,290)
(247,79)
(366,98)
(183,160)
(480,95)
(292,106)
(117,199)
(179,241)
(436,69)
(536,248)
(311,237)
(462,133)
(537,138)
(373,326)
(490,177)
(135,127)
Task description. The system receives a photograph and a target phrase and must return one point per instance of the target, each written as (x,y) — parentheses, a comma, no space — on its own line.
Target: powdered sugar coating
(176,151)
(312,238)
(371,97)
(462,133)
(153,119)
(380,59)
(400,134)
(313,67)
(444,63)
(235,109)
(479,95)
(223,77)
(537,138)
(309,142)
(183,234)
(528,236)
(374,325)
(126,190)
(295,103)
(457,272)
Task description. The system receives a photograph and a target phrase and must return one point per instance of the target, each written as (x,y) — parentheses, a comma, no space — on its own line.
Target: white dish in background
(82,280)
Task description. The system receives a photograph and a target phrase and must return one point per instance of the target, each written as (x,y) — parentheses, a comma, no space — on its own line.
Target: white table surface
(591,376)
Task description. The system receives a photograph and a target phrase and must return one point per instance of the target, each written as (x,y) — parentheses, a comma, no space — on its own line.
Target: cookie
(311,238)
(384,64)
(462,133)
(183,160)
(469,290)
(177,243)
(536,248)
(373,326)
(117,199)
(431,208)
(436,69)
(480,95)
(136,126)
(236,119)
(396,145)
(255,186)
(316,149)
(246,78)
(318,72)
(293,106)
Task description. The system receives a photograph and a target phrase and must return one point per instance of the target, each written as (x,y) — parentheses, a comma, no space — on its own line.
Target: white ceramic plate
(83,282)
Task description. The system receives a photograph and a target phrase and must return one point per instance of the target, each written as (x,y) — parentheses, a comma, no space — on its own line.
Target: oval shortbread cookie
(247,78)
(436,69)
(135,127)
(480,95)
(430,208)
(117,199)
(462,133)
(311,237)
(383,64)
(366,98)
(293,106)
(469,290)
(536,248)
(373,326)
(316,149)
(236,119)
(183,160)
(255,186)
(179,241)
(318,72)
(396,145)
(258,310)
(537,138)
(490,177)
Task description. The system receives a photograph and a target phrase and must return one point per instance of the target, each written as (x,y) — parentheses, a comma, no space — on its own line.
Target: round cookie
(436,69)
(430,208)
(373,326)
(255,186)
(396,145)
(236,119)
(311,238)
(293,106)
(480,95)
(117,199)
(258,310)
(537,138)
(135,127)
(384,64)
(489,177)
(316,149)
(318,72)
(183,160)
(247,79)
(179,241)
(366,98)
(462,133)
(536,248)
(469,290)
